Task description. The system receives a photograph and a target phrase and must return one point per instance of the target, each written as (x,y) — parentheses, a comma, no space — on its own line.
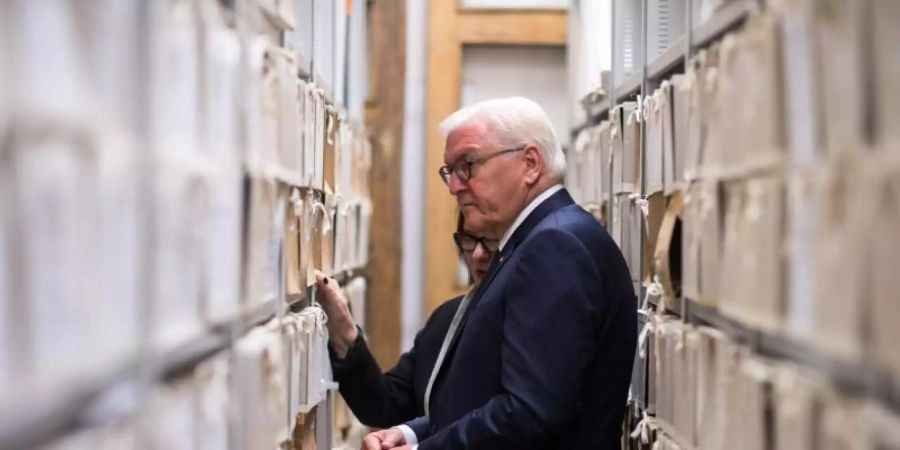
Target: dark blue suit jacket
(544,355)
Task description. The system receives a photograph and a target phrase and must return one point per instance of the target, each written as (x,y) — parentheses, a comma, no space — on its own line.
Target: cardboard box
(181,202)
(222,242)
(605,143)
(213,402)
(840,260)
(652,365)
(840,30)
(616,230)
(273,275)
(733,261)
(329,158)
(728,366)
(762,255)
(221,81)
(288,113)
(174,78)
(120,251)
(685,411)
(280,13)
(365,225)
(727,135)
(55,195)
(802,222)
(294,277)
(656,207)
(634,217)
(340,236)
(653,119)
(692,239)
(712,347)
(597,162)
(675,123)
(886,71)
(794,398)
(843,423)
(631,149)
(320,132)
(262,196)
(308,93)
(685,122)
(802,102)
(687,97)
(884,427)
(882,218)
(171,410)
(304,435)
(270,108)
(752,282)
(617,145)
(592,174)
(749,399)
(709,222)
(327,233)
(668,248)
(356,296)
(261,387)
(577,177)
(641,362)
(663,377)
(758,86)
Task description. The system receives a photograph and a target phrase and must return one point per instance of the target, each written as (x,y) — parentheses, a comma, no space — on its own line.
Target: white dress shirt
(408,434)
(527,211)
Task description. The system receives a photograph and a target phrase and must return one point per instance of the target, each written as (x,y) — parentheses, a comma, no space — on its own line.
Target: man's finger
(392,438)
(371,442)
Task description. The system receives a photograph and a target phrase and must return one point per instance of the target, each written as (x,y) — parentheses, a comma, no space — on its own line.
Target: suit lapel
(556,201)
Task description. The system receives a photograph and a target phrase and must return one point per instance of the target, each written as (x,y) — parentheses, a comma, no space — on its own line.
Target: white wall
(538,73)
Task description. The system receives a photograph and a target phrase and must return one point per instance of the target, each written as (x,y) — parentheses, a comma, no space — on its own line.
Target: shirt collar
(527,211)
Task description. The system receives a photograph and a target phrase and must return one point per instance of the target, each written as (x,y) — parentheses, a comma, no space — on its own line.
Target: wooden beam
(384,120)
(444,90)
(513,28)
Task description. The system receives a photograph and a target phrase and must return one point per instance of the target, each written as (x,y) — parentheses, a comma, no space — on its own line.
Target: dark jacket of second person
(385,399)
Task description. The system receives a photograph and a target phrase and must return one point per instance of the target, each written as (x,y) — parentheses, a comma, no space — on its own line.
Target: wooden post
(384,119)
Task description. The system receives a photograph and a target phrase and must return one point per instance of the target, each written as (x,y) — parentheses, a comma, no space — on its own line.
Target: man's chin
(475,220)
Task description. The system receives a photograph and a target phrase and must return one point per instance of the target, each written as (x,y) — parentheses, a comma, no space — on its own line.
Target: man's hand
(392,438)
(341,329)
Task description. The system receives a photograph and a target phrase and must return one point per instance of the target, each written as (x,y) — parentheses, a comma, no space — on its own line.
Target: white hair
(513,122)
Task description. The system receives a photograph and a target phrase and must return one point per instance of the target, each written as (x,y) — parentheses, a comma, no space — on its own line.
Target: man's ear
(534,164)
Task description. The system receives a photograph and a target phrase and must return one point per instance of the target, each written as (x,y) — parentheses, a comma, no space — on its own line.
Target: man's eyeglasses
(463,168)
(467,242)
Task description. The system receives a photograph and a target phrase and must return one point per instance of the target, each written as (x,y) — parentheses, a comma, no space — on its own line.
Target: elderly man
(542,357)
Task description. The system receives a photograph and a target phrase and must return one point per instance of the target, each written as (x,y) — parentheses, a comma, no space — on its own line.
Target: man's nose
(455,184)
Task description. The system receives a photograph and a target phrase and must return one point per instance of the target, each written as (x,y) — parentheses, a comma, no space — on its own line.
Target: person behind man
(543,355)
(400,394)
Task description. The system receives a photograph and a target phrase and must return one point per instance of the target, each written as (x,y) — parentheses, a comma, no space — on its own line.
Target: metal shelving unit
(672,59)
(850,376)
(669,62)
(854,377)
(726,19)
(48,417)
(629,87)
